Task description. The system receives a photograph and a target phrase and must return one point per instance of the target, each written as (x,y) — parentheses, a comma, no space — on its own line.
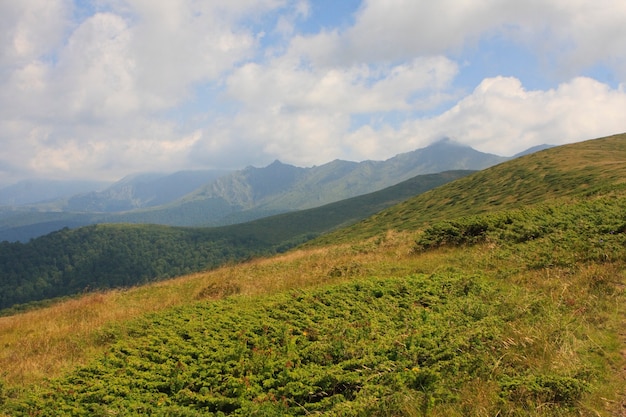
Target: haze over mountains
(215,198)
(33,191)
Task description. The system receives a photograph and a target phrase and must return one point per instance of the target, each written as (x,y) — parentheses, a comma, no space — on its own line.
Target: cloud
(76,93)
(502,117)
(95,75)
(132,85)
(299,113)
(30,29)
(354,89)
(394,60)
(573,35)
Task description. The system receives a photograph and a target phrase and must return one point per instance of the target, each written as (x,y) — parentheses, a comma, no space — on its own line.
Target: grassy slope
(523,318)
(575,170)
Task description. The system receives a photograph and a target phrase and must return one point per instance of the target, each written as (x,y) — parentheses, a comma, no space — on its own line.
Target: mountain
(142,190)
(134,192)
(209,198)
(214,198)
(499,293)
(284,187)
(533,150)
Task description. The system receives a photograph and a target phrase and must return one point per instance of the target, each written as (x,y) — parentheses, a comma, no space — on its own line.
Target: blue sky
(103,88)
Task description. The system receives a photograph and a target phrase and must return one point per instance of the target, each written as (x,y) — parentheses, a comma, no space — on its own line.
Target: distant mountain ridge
(282,186)
(141,191)
(218,198)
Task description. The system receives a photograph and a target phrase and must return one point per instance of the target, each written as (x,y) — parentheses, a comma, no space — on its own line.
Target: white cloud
(91,95)
(118,90)
(286,23)
(78,151)
(31,28)
(571,34)
(354,89)
(96,73)
(502,117)
(373,67)
(179,44)
(300,113)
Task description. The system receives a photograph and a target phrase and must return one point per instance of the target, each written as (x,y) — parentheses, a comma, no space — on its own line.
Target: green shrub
(454,233)
(368,343)
(543,389)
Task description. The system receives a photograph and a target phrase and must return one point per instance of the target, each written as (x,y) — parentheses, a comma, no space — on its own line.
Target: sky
(103,88)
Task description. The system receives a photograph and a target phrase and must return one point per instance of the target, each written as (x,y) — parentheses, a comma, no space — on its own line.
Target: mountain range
(216,198)
(280,186)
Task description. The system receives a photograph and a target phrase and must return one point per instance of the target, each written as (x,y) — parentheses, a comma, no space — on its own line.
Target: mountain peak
(276,163)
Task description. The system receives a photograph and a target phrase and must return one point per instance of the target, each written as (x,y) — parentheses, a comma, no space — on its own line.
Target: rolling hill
(504,301)
(94,257)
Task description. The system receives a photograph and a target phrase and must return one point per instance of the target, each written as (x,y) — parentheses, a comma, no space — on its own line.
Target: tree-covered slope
(112,255)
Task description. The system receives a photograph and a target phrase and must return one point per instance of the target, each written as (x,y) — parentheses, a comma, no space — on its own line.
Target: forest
(109,256)
(96,257)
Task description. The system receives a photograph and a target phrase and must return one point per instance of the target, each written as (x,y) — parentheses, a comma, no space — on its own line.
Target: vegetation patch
(360,348)
(561,234)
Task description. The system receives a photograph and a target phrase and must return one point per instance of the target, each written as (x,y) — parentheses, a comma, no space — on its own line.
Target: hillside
(94,257)
(583,169)
(516,309)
